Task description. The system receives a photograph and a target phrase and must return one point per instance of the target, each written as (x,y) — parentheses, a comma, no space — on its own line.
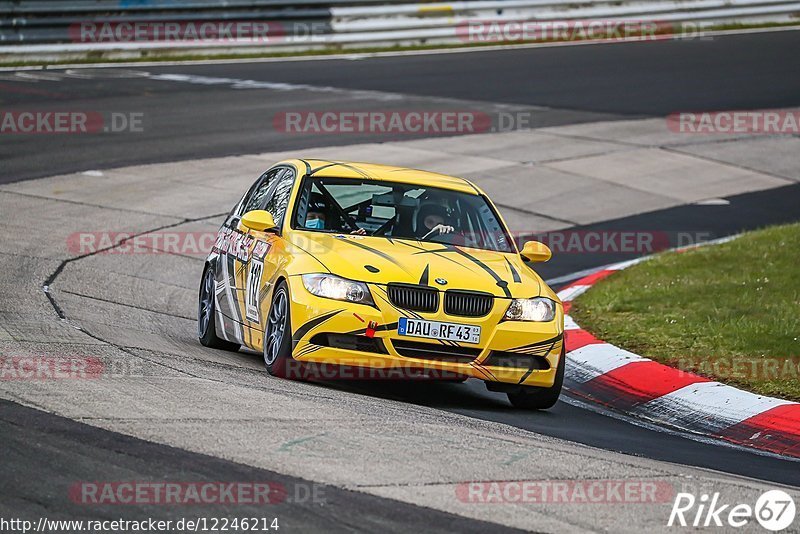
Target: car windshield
(399,211)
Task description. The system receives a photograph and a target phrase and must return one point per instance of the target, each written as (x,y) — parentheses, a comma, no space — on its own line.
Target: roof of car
(373,171)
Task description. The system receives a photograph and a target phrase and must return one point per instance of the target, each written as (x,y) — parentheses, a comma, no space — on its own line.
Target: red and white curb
(638,386)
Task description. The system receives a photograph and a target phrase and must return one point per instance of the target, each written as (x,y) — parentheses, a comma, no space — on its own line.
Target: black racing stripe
(308,349)
(310,254)
(359,170)
(502,284)
(362,172)
(445,248)
(537,350)
(484,371)
(376,252)
(423,280)
(530,370)
(487,371)
(514,273)
(533,352)
(331,164)
(559,337)
(436,253)
(526,375)
(412,246)
(303,330)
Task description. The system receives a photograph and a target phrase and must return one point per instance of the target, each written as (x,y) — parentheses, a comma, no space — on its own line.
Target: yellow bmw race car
(355,270)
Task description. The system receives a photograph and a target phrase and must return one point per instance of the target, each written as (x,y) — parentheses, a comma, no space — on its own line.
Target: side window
(279,200)
(259,194)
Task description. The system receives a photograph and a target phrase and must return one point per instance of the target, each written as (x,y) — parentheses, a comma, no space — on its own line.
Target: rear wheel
(278,334)
(206,315)
(535,398)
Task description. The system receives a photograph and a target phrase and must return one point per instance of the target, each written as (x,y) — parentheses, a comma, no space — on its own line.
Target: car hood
(381,260)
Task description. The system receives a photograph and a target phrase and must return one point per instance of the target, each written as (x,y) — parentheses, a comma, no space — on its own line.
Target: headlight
(330,286)
(539,309)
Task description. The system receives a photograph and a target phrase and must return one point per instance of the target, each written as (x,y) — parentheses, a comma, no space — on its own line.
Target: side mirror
(258,220)
(536,252)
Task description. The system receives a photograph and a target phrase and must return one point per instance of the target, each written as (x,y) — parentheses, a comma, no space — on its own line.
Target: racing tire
(207,316)
(536,398)
(278,334)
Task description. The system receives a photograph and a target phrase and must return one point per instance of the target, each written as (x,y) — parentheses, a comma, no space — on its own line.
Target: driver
(317,214)
(431,220)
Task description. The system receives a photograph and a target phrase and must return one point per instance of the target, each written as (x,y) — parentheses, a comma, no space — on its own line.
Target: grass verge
(730,312)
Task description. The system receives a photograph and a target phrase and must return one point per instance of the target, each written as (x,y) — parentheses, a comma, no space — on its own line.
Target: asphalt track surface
(558,85)
(574,84)
(57,440)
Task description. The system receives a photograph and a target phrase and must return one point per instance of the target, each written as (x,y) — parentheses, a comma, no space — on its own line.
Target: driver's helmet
(428,209)
(317,212)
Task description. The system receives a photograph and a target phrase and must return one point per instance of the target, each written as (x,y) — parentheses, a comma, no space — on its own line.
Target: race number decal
(251,301)
(252,304)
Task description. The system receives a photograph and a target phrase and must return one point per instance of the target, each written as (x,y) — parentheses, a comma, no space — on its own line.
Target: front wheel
(278,334)
(535,398)
(206,315)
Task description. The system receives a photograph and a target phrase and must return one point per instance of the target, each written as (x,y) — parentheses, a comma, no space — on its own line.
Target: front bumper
(512,352)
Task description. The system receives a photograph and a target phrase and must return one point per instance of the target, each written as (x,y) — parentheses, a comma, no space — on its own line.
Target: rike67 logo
(774,510)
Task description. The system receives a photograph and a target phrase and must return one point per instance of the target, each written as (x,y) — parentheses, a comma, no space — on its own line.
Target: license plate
(436,330)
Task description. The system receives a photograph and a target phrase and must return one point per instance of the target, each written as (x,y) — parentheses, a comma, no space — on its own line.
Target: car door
(266,252)
(233,248)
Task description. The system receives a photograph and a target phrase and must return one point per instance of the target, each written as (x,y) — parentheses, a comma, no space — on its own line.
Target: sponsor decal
(260,249)
(233,242)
